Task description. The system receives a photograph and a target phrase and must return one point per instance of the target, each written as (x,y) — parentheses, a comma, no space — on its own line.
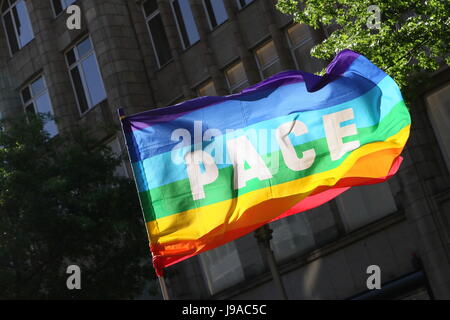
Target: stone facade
(332,269)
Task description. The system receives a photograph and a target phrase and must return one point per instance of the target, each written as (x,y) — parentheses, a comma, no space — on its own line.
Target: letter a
(74,21)
(374,281)
(74,281)
(241,151)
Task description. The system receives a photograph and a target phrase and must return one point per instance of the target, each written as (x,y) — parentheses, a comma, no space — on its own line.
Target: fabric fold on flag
(212,169)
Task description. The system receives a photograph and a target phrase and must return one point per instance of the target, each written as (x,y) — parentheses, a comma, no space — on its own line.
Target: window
(438,107)
(116,149)
(216,12)
(35,99)
(85,74)
(301,43)
(243,3)
(158,35)
(207,89)
(236,78)
(222,267)
(306,231)
(303,232)
(268,61)
(60,5)
(185,22)
(17,24)
(365,204)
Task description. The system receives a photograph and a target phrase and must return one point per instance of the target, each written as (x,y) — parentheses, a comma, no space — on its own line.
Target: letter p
(197,178)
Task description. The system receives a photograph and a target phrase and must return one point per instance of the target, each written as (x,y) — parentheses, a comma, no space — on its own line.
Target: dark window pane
(38,86)
(150,6)
(71,57)
(26,95)
(186,23)
(304,59)
(79,90)
(243,3)
(159,38)
(5,5)
(84,47)
(211,15)
(30,111)
(272,69)
(57,6)
(93,80)
(44,106)
(216,12)
(361,205)
(13,43)
(23,24)
(184,35)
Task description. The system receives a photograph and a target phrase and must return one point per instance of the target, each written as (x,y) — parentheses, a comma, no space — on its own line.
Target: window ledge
(219,26)
(84,114)
(164,65)
(191,46)
(244,7)
(25,47)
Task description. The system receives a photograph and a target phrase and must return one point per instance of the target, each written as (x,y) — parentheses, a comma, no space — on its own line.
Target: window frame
(443,153)
(232,249)
(234,87)
(268,65)
(204,84)
(78,61)
(180,35)
(62,6)
(33,97)
(211,28)
(341,202)
(116,140)
(293,47)
(240,7)
(147,19)
(3,14)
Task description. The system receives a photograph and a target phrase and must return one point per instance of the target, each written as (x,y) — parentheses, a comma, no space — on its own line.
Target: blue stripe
(257,106)
(383,97)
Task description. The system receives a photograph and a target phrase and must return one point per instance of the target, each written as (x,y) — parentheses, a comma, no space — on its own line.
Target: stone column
(53,63)
(175,45)
(148,55)
(208,55)
(278,37)
(10,105)
(247,58)
(419,175)
(119,56)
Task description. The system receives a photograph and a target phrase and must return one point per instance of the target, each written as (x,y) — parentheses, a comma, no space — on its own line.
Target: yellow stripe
(195,223)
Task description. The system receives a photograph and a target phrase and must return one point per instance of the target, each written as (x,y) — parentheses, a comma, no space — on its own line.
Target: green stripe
(176,197)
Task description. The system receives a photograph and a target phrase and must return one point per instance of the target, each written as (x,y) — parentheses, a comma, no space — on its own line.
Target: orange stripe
(363,172)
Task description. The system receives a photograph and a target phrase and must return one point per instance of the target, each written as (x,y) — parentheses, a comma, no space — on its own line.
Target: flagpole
(163,286)
(264,235)
(161,279)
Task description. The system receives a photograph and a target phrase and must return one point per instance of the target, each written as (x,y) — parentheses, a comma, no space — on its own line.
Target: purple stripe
(337,67)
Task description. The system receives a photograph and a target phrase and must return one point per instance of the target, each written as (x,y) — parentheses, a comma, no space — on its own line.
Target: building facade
(154,53)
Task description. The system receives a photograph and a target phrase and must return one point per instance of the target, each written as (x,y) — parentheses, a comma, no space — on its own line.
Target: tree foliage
(413,38)
(61,205)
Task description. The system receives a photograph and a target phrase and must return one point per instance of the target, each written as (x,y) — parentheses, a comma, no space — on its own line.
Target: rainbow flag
(212,169)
